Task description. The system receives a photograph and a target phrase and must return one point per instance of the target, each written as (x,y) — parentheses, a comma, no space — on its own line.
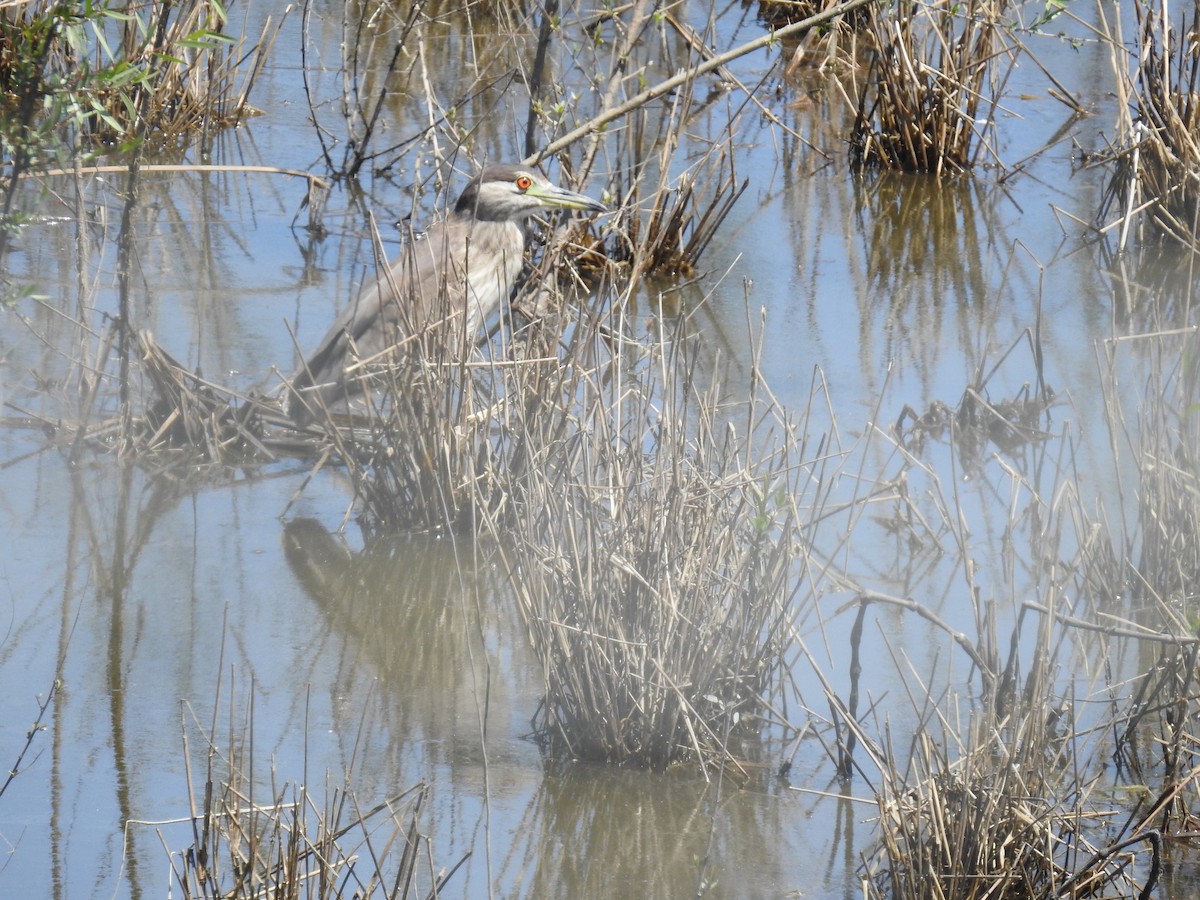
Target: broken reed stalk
(654,550)
(933,87)
(1156,178)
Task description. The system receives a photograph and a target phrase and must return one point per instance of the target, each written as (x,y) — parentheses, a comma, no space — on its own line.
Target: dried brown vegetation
(188,413)
(994,795)
(996,818)
(682,220)
(1154,190)
(931,94)
(294,842)
(654,549)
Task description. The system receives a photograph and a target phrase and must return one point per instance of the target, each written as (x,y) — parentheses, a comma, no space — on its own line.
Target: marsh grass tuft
(172,417)
(679,220)
(931,94)
(1156,173)
(999,817)
(653,558)
(295,842)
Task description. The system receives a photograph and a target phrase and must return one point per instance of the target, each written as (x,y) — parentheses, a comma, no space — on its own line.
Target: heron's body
(444,286)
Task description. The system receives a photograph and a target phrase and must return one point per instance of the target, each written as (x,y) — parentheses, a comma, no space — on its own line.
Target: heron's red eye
(524,182)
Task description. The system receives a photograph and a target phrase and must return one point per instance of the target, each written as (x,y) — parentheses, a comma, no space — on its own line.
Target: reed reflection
(600,831)
(930,253)
(1153,287)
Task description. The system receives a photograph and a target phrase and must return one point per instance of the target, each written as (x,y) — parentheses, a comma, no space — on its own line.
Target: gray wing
(404,300)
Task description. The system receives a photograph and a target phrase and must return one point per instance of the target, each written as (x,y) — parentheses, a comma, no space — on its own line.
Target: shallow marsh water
(158,597)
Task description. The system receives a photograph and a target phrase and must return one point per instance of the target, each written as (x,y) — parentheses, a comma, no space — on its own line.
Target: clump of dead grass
(679,219)
(654,553)
(930,97)
(190,413)
(296,845)
(1156,176)
(1001,818)
(252,838)
(1005,805)
(167,416)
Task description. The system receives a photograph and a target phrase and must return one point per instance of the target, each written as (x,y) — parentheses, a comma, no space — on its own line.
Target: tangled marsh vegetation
(297,841)
(667,544)
(930,98)
(1152,190)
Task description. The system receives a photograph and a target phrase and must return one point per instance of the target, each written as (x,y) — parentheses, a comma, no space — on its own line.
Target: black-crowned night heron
(449,283)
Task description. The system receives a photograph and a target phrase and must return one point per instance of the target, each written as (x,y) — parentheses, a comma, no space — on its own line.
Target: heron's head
(508,193)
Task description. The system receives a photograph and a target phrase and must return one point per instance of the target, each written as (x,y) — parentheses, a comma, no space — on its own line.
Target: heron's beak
(554,196)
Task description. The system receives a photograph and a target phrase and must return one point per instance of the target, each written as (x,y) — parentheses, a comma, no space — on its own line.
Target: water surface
(159,597)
